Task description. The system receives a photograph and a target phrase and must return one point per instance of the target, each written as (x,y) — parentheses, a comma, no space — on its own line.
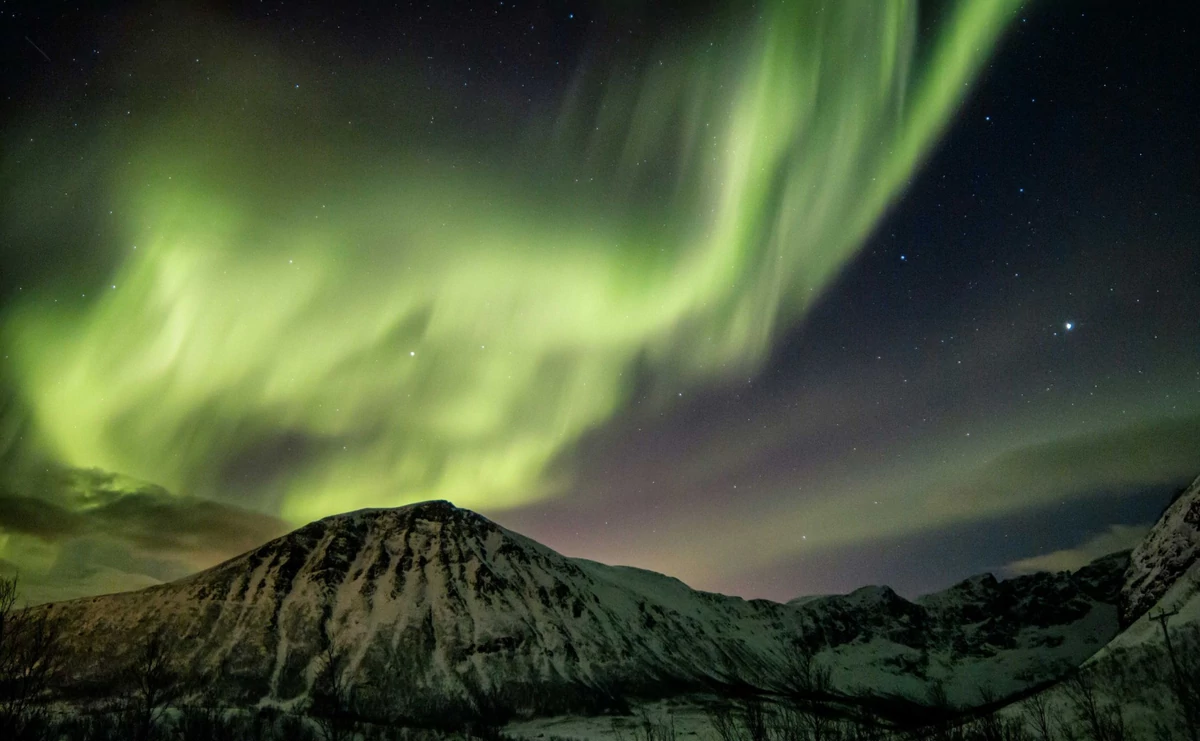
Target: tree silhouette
(30,662)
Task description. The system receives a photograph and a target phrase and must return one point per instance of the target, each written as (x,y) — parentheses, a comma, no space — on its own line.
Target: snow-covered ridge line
(441,605)
(1166,553)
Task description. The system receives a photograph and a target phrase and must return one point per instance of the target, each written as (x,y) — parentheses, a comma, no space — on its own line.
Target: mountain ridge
(443,605)
(1164,556)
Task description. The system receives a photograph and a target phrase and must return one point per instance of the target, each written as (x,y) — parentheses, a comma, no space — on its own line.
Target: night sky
(778,298)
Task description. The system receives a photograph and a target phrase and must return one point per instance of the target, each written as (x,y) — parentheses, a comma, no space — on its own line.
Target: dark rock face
(983,614)
(1104,578)
(439,606)
(1163,556)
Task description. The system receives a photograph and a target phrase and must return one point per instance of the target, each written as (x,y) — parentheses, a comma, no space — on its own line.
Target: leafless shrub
(337,700)
(755,720)
(1100,720)
(30,662)
(1036,711)
(805,676)
(1186,645)
(151,684)
(647,728)
(761,721)
(292,728)
(725,723)
(205,724)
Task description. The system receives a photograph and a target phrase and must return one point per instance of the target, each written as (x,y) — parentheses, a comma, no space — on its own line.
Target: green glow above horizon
(435,329)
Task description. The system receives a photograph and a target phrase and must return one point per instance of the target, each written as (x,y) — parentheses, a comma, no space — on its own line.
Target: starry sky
(778,298)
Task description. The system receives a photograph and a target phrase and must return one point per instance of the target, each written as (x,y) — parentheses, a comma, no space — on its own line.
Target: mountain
(1166,553)
(435,607)
(1135,672)
(981,636)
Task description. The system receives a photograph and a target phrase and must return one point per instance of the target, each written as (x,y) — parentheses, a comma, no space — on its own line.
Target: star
(1070,326)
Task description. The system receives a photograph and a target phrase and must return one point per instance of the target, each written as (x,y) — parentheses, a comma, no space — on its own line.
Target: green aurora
(428,314)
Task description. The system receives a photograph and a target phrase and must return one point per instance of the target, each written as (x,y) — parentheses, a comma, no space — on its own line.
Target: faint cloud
(144,516)
(100,580)
(76,532)
(1116,538)
(31,516)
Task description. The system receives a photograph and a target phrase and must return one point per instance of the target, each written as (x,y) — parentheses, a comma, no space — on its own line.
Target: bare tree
(30,661)
(1036,711)
(647,728)
(1188,660)
(864,725)
(1101,721)
(151,684)
(805,676)
(725,723)
(334,700)
(989,726)
(755,721)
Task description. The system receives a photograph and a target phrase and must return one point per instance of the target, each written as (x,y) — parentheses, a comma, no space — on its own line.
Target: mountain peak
(433,515)
(469,610)
(435,509)
(430,509)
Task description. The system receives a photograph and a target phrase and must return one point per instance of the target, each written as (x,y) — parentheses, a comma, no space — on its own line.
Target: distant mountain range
(438,607)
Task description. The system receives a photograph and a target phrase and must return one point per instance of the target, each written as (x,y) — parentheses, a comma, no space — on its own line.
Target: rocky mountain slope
(434,606)
(1166,553)
(1134,671)
(1163,577)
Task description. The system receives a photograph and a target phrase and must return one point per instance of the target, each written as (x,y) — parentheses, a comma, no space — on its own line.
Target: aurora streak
(445,320)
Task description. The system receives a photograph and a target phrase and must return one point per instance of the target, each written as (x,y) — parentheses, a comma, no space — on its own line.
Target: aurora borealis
(564,266)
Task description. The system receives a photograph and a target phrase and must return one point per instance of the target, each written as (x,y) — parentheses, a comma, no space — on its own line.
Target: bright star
(1070,326)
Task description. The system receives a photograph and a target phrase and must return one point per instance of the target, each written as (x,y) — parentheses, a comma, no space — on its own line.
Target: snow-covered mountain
(1135,672)
(1166,553)
(981,636)
(434,606)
